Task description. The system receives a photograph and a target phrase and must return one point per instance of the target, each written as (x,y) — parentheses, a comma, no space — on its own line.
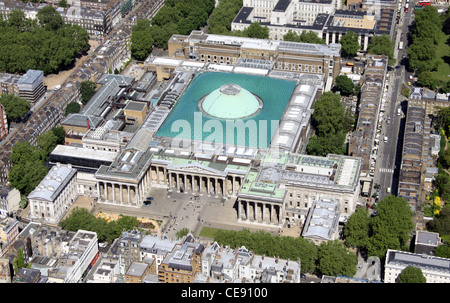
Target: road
(390,152)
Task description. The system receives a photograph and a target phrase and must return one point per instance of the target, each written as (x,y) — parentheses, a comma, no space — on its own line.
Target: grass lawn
(208,232)
(443,52)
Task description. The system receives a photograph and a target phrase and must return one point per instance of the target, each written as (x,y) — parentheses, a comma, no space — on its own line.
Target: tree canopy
(28,168)
(87,90)
(15,107)
(255,30)
(305,36)
(72,108)
(263,243)
(221,17)
(175,17)
(382,45)
(425,35)
(389,229)
(349,44)
(334,259)
(141,40)
(411,274)
(344,85)
(81,218)
(328,120)
(45,43)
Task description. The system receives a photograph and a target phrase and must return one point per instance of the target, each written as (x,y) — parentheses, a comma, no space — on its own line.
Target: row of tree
(331,126)
(175,17)
(305,37)
(389,229)
(219,22)
(81,218)
(426,34)
(44,43)
(329,258)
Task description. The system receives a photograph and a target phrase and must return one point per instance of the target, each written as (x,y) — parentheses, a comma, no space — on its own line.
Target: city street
(390,152)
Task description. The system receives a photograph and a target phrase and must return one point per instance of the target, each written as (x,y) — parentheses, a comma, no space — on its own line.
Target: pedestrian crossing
(386,170)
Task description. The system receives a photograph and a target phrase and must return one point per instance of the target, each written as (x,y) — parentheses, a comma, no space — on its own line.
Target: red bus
(424,2)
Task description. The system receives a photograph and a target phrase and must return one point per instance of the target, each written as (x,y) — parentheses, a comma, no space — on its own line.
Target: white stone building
(54,195)
(435,269)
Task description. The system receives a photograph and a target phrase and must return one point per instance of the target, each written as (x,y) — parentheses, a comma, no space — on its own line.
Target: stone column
(247,210)
(263,206)
(113,193)
(157,175)
(208,186)
(121,193)
(216,187)
(239,209)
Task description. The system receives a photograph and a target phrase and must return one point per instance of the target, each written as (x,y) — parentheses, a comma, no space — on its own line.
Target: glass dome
(230,101)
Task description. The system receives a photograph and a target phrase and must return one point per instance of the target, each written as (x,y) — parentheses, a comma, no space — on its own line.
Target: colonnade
(260,212)
(122,193)
(335,37)
(196,182)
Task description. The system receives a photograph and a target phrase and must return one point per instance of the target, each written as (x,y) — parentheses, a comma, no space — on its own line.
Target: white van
(385,139)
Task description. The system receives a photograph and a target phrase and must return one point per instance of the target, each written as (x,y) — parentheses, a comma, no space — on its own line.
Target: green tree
(25,176)
(47,142)
(60,134)
(349,44)
(81,218)
(391,227)
(426,79)
(141,40)
(328,115)
(327,144)
(87,90)
(356,230)
(221,17)
(22,152)
(344,85)
(305,37)
(291,36)
(255,30)
(15,107)
(427,24)
(441,224)
(334,259)
(442,251)
(49,18)
(311,37)
(411,274)
(382,45)
(62,3)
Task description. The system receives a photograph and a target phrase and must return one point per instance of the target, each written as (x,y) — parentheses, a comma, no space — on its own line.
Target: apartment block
(182,264)
(4,129)
(9,229)
(9,200)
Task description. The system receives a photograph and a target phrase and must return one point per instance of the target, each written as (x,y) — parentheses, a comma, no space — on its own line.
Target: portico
(196,179)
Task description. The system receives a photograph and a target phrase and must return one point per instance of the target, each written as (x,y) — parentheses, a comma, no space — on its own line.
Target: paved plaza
(179,210)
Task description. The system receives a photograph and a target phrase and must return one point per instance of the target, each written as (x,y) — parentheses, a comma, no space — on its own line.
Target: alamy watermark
(236,132)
